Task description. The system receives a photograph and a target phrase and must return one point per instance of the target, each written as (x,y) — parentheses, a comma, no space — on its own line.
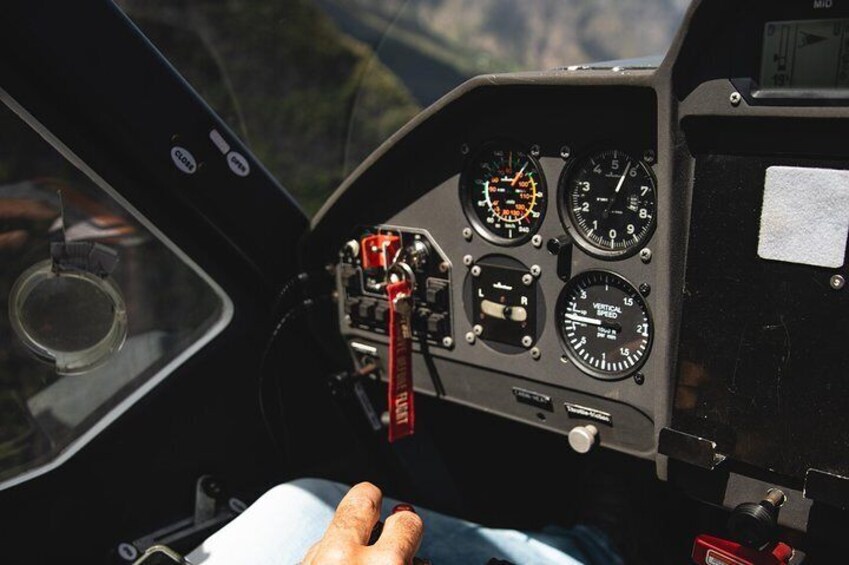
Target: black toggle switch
(366,309)
(352,307)
(381,313)
(437,294)
(436,324)
(562,247)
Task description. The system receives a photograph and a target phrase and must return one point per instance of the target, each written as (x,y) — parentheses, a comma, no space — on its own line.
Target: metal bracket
(828,488)
(690,449)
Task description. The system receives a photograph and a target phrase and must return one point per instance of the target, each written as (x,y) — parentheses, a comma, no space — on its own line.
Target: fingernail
(403,508)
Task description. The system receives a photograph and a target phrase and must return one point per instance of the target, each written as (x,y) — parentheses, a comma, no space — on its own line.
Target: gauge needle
(594,322)
(518,175)
(621,182)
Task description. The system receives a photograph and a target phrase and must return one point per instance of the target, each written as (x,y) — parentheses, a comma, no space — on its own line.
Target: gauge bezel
(465,192)
(567,216)
(573,356)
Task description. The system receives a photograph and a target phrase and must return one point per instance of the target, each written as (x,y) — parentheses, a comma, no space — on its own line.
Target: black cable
(323,280)
(288,287)
(282,323)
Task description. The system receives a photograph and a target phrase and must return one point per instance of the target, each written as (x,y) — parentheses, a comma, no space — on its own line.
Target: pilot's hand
(346,540)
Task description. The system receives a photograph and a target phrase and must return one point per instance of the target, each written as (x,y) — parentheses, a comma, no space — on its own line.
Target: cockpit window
(96,306)
(314,86)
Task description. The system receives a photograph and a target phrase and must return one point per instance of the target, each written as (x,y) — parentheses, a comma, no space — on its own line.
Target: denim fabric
(280,527)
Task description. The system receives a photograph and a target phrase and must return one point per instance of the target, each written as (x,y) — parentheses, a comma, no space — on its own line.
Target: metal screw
(535,353)
(735,98)
(468,260)
(128,551)
(527,341)
(476,271)
(534,151)
(477,329)
(527,279)
(444,267)
(536,241)
(448,342)
(645,255)
(536,270)
(837,282)
(470,338)
(565,152)
(776,497)
(639,378)
(464,149)
(649,156)
(645,289)
(467,234)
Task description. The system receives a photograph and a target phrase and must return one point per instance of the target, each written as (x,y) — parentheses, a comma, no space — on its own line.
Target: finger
(356,514)
(311,553)
(402,535)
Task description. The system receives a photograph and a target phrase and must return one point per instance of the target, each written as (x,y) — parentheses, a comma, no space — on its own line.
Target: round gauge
(503,194)
(604,324)
(610,200)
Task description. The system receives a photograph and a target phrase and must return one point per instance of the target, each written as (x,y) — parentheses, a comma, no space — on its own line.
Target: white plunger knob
(582,438)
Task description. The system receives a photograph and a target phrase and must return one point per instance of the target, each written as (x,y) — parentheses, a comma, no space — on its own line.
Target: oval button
(238,164)
(184,160)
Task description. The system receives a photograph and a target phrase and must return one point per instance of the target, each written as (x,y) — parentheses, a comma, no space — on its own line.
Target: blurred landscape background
(314,86)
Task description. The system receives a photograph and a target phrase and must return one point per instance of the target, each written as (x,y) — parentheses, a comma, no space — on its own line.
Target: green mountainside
(313,86)
(482,36)
(284,78)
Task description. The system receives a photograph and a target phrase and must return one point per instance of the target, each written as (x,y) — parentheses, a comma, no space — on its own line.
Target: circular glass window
(73,319)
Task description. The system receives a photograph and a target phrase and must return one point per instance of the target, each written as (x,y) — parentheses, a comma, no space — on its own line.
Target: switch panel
(362,274)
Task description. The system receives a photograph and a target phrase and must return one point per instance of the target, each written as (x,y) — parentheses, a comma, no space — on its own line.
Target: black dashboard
(594,248)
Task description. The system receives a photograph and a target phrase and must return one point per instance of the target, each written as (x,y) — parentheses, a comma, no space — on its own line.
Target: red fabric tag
(402,414)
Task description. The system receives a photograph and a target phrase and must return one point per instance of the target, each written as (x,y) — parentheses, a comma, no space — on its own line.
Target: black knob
(562,247)
(556,244)
(755,524)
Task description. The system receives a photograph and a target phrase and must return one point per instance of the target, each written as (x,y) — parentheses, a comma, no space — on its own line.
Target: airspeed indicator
(503,194)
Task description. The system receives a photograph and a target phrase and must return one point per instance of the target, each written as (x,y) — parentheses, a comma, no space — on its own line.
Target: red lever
(710,550)
(402,413)
(379,250)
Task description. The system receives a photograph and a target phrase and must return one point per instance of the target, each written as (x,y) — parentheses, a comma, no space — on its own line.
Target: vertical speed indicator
(503,193)
(609,198)
(604,324)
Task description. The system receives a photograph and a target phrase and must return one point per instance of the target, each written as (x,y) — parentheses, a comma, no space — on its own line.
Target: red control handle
(711,550)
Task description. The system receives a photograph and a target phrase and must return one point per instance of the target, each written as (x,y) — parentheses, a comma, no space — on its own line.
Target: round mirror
(73,319)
